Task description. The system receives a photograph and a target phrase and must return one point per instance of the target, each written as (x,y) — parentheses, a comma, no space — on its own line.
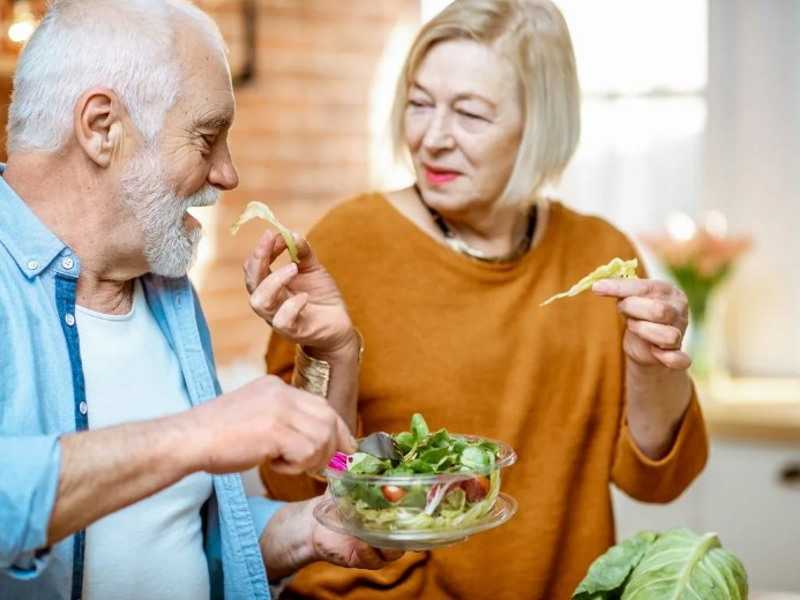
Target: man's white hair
(128,46)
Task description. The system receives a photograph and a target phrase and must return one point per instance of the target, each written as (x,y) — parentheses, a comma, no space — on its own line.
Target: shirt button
(69,318)
(83,407)
(68,263)
(33,265)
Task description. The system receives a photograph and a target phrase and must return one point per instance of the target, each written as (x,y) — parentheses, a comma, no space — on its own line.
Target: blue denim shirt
(42,396)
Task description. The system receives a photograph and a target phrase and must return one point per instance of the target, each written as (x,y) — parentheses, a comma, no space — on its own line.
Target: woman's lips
(438,176)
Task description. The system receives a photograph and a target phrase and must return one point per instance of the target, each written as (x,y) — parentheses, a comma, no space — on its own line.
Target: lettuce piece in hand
(259,210)
(678,564)
(616,269)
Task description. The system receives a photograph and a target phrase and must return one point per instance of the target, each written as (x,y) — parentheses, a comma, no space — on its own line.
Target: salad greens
(261,211)
(678,564)
(421,451)
(616,269)
(400,490)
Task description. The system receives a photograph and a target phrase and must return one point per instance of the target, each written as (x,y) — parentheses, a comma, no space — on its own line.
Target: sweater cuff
(664,479)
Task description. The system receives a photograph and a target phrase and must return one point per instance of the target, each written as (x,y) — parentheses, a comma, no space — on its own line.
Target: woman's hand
(300,301)
(657,313)
(657,386)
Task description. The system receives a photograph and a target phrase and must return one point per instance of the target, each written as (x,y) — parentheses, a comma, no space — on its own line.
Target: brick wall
(300,140)
(301,135)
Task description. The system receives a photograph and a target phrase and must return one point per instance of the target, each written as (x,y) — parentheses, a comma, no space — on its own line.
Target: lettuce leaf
(609,573)
(676,565)
(261,211)
(616,269)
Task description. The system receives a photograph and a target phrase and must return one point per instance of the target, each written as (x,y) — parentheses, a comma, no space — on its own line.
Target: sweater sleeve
(665,479)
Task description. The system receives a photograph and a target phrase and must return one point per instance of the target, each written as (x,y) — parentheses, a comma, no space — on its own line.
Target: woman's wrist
(346,350)
(313,367)
(657,399)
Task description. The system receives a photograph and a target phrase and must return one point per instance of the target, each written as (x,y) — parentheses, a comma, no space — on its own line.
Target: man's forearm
(656,399)
(105,470)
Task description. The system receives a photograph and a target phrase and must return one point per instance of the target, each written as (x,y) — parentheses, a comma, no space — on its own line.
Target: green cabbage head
(675,565)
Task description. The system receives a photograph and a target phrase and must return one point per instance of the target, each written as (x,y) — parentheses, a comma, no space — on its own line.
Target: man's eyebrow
(213,122)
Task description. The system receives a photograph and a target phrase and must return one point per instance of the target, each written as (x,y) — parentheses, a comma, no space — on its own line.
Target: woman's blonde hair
(533,35)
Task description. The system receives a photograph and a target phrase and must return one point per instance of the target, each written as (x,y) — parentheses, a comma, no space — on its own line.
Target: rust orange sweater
(467,345)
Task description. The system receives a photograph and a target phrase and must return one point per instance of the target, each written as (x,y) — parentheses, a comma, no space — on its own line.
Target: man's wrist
(188,440)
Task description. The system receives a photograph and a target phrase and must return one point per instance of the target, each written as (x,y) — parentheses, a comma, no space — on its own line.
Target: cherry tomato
(476,488)
(393,493)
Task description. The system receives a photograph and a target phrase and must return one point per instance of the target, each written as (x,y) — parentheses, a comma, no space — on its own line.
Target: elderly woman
(444,281)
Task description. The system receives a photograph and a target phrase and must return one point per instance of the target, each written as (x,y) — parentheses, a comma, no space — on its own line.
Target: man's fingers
(389,554)
(321,426)
(345,442)
(368,557)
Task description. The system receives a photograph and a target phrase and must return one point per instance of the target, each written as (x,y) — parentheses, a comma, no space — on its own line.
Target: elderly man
(118,456)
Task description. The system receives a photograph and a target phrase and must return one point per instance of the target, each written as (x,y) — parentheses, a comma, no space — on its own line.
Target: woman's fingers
(304,253)
(665,337)
(672,359)
(271,293)
(650,309)
(257,265)
(287,314)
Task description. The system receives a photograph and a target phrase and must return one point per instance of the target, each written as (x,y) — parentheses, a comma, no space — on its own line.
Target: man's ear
(100,125)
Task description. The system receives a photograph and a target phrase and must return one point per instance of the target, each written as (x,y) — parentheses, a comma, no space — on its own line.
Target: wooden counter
(764,410)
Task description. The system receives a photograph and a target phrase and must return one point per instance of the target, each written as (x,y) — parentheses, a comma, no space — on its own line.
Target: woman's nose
(438,136)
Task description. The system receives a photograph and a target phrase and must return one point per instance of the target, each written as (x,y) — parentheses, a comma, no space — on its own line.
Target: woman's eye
(470,115)
(416,103)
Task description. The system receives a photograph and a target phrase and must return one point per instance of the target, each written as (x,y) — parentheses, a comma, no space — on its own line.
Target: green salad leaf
(609,573)
(616,269)
(677,565)
(259,210)
(419,428)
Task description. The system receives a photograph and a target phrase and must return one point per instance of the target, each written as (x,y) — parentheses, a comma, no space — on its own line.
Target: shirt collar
(26,238)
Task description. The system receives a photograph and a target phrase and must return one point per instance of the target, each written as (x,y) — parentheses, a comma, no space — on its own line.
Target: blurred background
(690,143)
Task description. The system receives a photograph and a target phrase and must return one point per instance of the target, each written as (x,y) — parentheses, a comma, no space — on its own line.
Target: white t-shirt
(152,549)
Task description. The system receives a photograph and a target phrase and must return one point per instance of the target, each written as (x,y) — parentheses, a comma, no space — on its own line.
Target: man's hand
(300,301)
(293,538)
(266,421)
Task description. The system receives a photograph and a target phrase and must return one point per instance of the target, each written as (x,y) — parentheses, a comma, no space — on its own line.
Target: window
(643,72)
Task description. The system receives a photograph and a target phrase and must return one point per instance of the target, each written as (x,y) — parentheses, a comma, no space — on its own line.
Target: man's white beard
(168,247)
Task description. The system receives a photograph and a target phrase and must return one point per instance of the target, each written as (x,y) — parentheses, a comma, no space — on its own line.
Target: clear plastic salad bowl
(419,511)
